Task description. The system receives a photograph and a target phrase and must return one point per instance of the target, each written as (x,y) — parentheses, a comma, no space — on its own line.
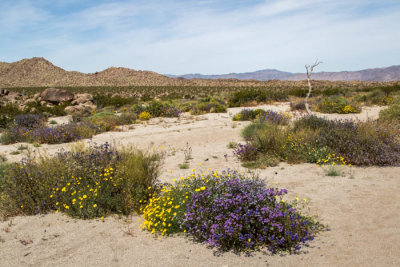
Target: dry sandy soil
(361,208)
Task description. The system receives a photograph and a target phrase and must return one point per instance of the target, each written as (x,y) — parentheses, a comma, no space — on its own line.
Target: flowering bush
(337,104)
(208,106)
(50,135)
(269,115)
(229,211)
(84,183)
(245,152)
(145,116)
(312,138)
(30,121)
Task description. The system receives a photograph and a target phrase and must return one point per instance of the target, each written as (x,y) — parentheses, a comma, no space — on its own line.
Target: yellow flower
(95,205)
(84,196)
(101,218)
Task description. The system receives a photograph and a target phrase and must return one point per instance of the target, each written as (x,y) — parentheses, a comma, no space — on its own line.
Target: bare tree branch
(309,72)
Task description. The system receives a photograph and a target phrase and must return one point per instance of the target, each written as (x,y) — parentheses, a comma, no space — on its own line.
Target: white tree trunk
(309,72)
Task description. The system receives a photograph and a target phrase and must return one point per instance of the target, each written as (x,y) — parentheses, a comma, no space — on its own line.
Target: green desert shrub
(84,183)
(311,139)
(210,106)
(391,114)
(337,104)
(243,97)
(102,100)
(56,110)
(109,120)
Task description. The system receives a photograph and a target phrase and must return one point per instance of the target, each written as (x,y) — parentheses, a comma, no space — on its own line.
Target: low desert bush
(299,105)
(30,121)
(231,212)
(109,120)
(208,106)
(102,101)
(263,115)
(243,97)
(157,109)
(56,110)
(85,183)
(391,114)
(50,135)
(337,104)
(312,138)
(381,96)
(7,114)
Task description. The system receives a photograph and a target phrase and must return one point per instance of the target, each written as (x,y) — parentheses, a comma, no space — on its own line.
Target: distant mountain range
(378,74)
(39,72)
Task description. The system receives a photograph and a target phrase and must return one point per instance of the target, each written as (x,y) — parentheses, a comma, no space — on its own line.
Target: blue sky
(204,36)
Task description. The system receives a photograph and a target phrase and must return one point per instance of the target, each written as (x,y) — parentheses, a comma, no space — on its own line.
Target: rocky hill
(38,72)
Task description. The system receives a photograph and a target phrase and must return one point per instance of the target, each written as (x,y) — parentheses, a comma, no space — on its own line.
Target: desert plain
(360,208)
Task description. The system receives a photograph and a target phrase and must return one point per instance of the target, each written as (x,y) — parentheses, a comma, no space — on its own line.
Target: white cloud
(191,36)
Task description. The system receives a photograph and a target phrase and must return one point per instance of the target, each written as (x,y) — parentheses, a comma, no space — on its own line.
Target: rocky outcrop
(81,105)
(80,110)
(12,97)
(80,99)
(56,96)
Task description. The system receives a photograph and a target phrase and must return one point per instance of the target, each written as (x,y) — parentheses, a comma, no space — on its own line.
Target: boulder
(82,98)
(36,96)
(56,96)
(29,101)
(12,97)
(80,110)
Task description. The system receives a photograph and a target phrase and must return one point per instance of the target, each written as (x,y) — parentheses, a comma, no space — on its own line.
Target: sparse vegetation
(312,138)
(85,183)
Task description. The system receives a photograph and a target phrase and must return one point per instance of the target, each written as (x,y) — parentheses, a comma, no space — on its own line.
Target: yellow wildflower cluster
(79,198)
(293,143)
(144,116)
(349,109)
(161,213)
(164,212)
(237,116)
(332,160)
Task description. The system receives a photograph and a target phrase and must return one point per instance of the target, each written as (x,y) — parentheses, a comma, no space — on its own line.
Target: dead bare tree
(309,72)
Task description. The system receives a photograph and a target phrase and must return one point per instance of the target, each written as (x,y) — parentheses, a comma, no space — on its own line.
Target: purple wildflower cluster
(171,112)
(245,152)
(274,117)
(261,115)
(50,135)
(30,121)
(243,214)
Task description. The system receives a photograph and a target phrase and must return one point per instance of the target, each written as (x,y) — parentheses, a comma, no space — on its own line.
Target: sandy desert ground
(361,208)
